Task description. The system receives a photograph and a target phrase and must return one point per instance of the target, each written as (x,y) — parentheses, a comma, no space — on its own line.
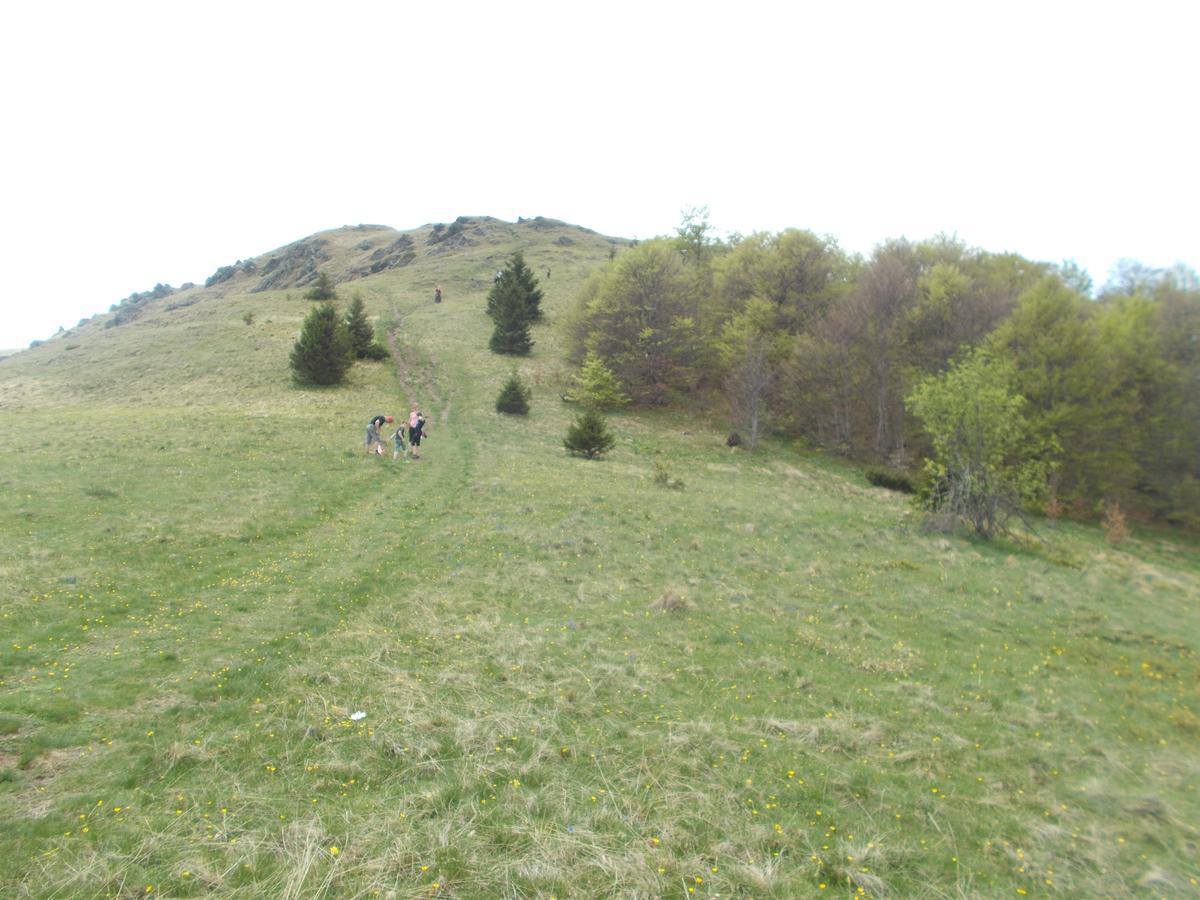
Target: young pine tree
(322,289)
(511,334)
(514,397)
(362,335)
(589,436)
(596,387)
(324,353)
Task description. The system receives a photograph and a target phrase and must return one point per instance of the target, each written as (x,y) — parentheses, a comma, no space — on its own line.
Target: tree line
(791,335)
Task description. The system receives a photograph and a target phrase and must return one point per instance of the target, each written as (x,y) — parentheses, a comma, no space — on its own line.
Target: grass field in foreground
(576,684)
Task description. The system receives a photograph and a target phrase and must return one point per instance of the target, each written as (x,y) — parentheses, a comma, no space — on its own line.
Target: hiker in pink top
(416,431)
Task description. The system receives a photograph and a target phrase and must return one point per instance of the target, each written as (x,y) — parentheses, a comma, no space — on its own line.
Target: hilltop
(241,657)
(136,346)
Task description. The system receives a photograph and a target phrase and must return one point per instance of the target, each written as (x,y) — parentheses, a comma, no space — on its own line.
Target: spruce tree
(514,397)
(529,286)
(499,286)
(596,387)
(511,334)
(589,436)
(362,335)
(323,354)
(322,289)
(517,274)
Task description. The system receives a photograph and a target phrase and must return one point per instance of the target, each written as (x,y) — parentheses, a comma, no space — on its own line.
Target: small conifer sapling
(362,335)
(322,288)
(589,436)
(596,387)
(514,397)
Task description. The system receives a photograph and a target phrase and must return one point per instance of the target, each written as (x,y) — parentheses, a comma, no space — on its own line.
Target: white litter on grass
(355,716)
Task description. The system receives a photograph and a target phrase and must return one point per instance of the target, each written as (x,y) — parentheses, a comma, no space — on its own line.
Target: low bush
(892,479)
(376,351)
(663,479)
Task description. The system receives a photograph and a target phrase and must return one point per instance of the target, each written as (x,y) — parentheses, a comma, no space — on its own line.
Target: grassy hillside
(575,683)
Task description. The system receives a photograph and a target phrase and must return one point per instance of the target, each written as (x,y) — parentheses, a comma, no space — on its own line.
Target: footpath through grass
(575,683)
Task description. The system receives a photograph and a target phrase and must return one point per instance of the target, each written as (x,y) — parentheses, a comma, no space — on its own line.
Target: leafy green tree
(1075,277)
(1059,366)
(749,351)
(589,436)
(797,271)
(324,352)
(596,387)
(1131,277)
(931,327)
(884,294)
(510,333)
(638,314)
(694,236)
(1172,469)
(514,397)
(362,335)
(986,465)
(322,288)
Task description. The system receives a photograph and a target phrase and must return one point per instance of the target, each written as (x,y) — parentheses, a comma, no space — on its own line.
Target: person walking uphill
(416,431)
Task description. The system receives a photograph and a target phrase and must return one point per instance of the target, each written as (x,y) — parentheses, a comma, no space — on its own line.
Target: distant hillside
(358,251)
(166,338)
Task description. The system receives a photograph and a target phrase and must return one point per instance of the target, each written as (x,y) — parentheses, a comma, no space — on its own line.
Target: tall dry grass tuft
(671,602)
(1115,527)
(1054,507)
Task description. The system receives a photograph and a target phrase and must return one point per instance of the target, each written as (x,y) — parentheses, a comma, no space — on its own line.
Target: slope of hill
(240,656)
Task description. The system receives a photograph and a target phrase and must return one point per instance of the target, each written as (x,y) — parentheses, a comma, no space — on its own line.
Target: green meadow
(771,681)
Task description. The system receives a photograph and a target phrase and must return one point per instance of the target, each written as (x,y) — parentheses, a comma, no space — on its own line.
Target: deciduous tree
(986,463)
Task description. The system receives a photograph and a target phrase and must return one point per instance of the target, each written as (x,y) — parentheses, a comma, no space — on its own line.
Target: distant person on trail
(437,294)
(498,276)
(416,431)
(398,445)
(374,442)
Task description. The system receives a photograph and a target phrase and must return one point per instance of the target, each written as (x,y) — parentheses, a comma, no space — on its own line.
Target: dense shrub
(663,479)
(892,479)
(376,351)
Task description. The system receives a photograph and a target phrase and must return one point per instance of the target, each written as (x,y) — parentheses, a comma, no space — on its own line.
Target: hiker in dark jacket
(374,441)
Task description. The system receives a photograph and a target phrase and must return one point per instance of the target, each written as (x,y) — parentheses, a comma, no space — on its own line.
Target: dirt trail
(418,379)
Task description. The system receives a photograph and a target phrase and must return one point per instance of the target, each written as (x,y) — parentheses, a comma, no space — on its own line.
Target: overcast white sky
(148,142)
